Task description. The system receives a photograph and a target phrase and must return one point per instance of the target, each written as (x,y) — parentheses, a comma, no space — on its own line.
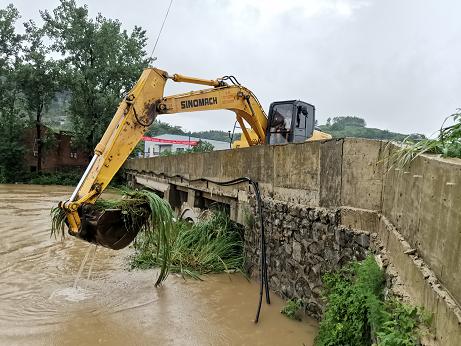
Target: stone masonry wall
(303,243)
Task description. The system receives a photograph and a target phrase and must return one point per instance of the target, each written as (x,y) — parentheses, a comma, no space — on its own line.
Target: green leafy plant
(357,314)
(353,304)
(58,222)
(292,309)
(400,326)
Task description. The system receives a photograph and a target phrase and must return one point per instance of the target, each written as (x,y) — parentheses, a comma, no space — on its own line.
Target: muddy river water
(39,304)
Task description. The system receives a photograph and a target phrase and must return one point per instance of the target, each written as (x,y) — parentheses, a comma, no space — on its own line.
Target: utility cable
(161,28)
(264,281)
(147,124)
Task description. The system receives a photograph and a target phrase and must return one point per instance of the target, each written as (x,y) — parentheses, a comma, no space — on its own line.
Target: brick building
(57,154)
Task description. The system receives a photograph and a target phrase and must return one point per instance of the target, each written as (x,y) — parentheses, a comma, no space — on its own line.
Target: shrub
(356,313)
(57,178)
(292,309)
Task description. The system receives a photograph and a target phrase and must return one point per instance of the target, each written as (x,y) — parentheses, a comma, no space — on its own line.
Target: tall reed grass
(214,244)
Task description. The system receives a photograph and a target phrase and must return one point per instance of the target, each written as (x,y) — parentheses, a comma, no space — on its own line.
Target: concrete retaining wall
(422,202)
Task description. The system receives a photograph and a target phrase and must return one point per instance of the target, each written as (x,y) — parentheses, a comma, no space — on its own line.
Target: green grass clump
(356,313)
(292,309)
(143,211)
(212,245)
(447,143)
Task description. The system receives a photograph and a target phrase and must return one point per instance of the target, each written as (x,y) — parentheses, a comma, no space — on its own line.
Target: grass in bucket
(142,210)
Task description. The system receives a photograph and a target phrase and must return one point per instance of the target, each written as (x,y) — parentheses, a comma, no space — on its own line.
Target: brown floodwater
(40,305)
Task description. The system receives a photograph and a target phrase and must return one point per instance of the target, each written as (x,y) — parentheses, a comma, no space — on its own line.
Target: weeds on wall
(213,245)
(357,314)
(292,309)
(401,325)
(447,143)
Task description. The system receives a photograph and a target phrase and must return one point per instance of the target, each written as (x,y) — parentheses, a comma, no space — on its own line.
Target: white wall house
(153,146)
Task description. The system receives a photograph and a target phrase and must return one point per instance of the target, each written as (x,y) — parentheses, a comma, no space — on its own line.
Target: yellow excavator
(288,122)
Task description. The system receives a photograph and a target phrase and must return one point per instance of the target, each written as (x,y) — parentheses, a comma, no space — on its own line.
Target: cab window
(280,127)
(300,118)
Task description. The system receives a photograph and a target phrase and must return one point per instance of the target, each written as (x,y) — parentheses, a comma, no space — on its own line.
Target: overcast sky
(396,63)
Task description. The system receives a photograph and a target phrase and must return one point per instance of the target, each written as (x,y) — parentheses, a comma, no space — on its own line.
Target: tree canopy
(101,62)
(340,123)
(95,62)
(38,78)
(11,102)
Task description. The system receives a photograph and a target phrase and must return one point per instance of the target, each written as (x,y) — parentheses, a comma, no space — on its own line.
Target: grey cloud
(394,63)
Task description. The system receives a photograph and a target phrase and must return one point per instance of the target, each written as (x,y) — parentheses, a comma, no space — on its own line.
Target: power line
(161,28)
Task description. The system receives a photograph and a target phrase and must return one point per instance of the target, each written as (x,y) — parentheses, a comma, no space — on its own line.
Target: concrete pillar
(191,198)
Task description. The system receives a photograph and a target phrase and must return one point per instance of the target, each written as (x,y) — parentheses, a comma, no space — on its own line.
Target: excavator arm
(235,98)
(134,115)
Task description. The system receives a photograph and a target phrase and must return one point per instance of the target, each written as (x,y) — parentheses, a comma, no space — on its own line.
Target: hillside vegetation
(159,128)
(340,127)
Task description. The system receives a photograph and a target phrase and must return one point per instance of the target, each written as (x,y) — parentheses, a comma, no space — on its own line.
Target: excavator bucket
(108,228)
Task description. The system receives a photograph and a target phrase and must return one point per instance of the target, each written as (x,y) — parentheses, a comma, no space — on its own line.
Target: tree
(10,41)
(11,121)
(216,135)
(202,147)
(160,128)
(101,61)
(39,80)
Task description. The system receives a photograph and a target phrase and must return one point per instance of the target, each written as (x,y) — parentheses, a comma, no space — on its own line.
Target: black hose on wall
(264,282)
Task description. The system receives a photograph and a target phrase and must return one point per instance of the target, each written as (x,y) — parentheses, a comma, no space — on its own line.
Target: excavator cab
(290,122)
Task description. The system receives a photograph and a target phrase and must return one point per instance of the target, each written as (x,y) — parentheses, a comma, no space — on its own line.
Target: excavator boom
(135,114)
